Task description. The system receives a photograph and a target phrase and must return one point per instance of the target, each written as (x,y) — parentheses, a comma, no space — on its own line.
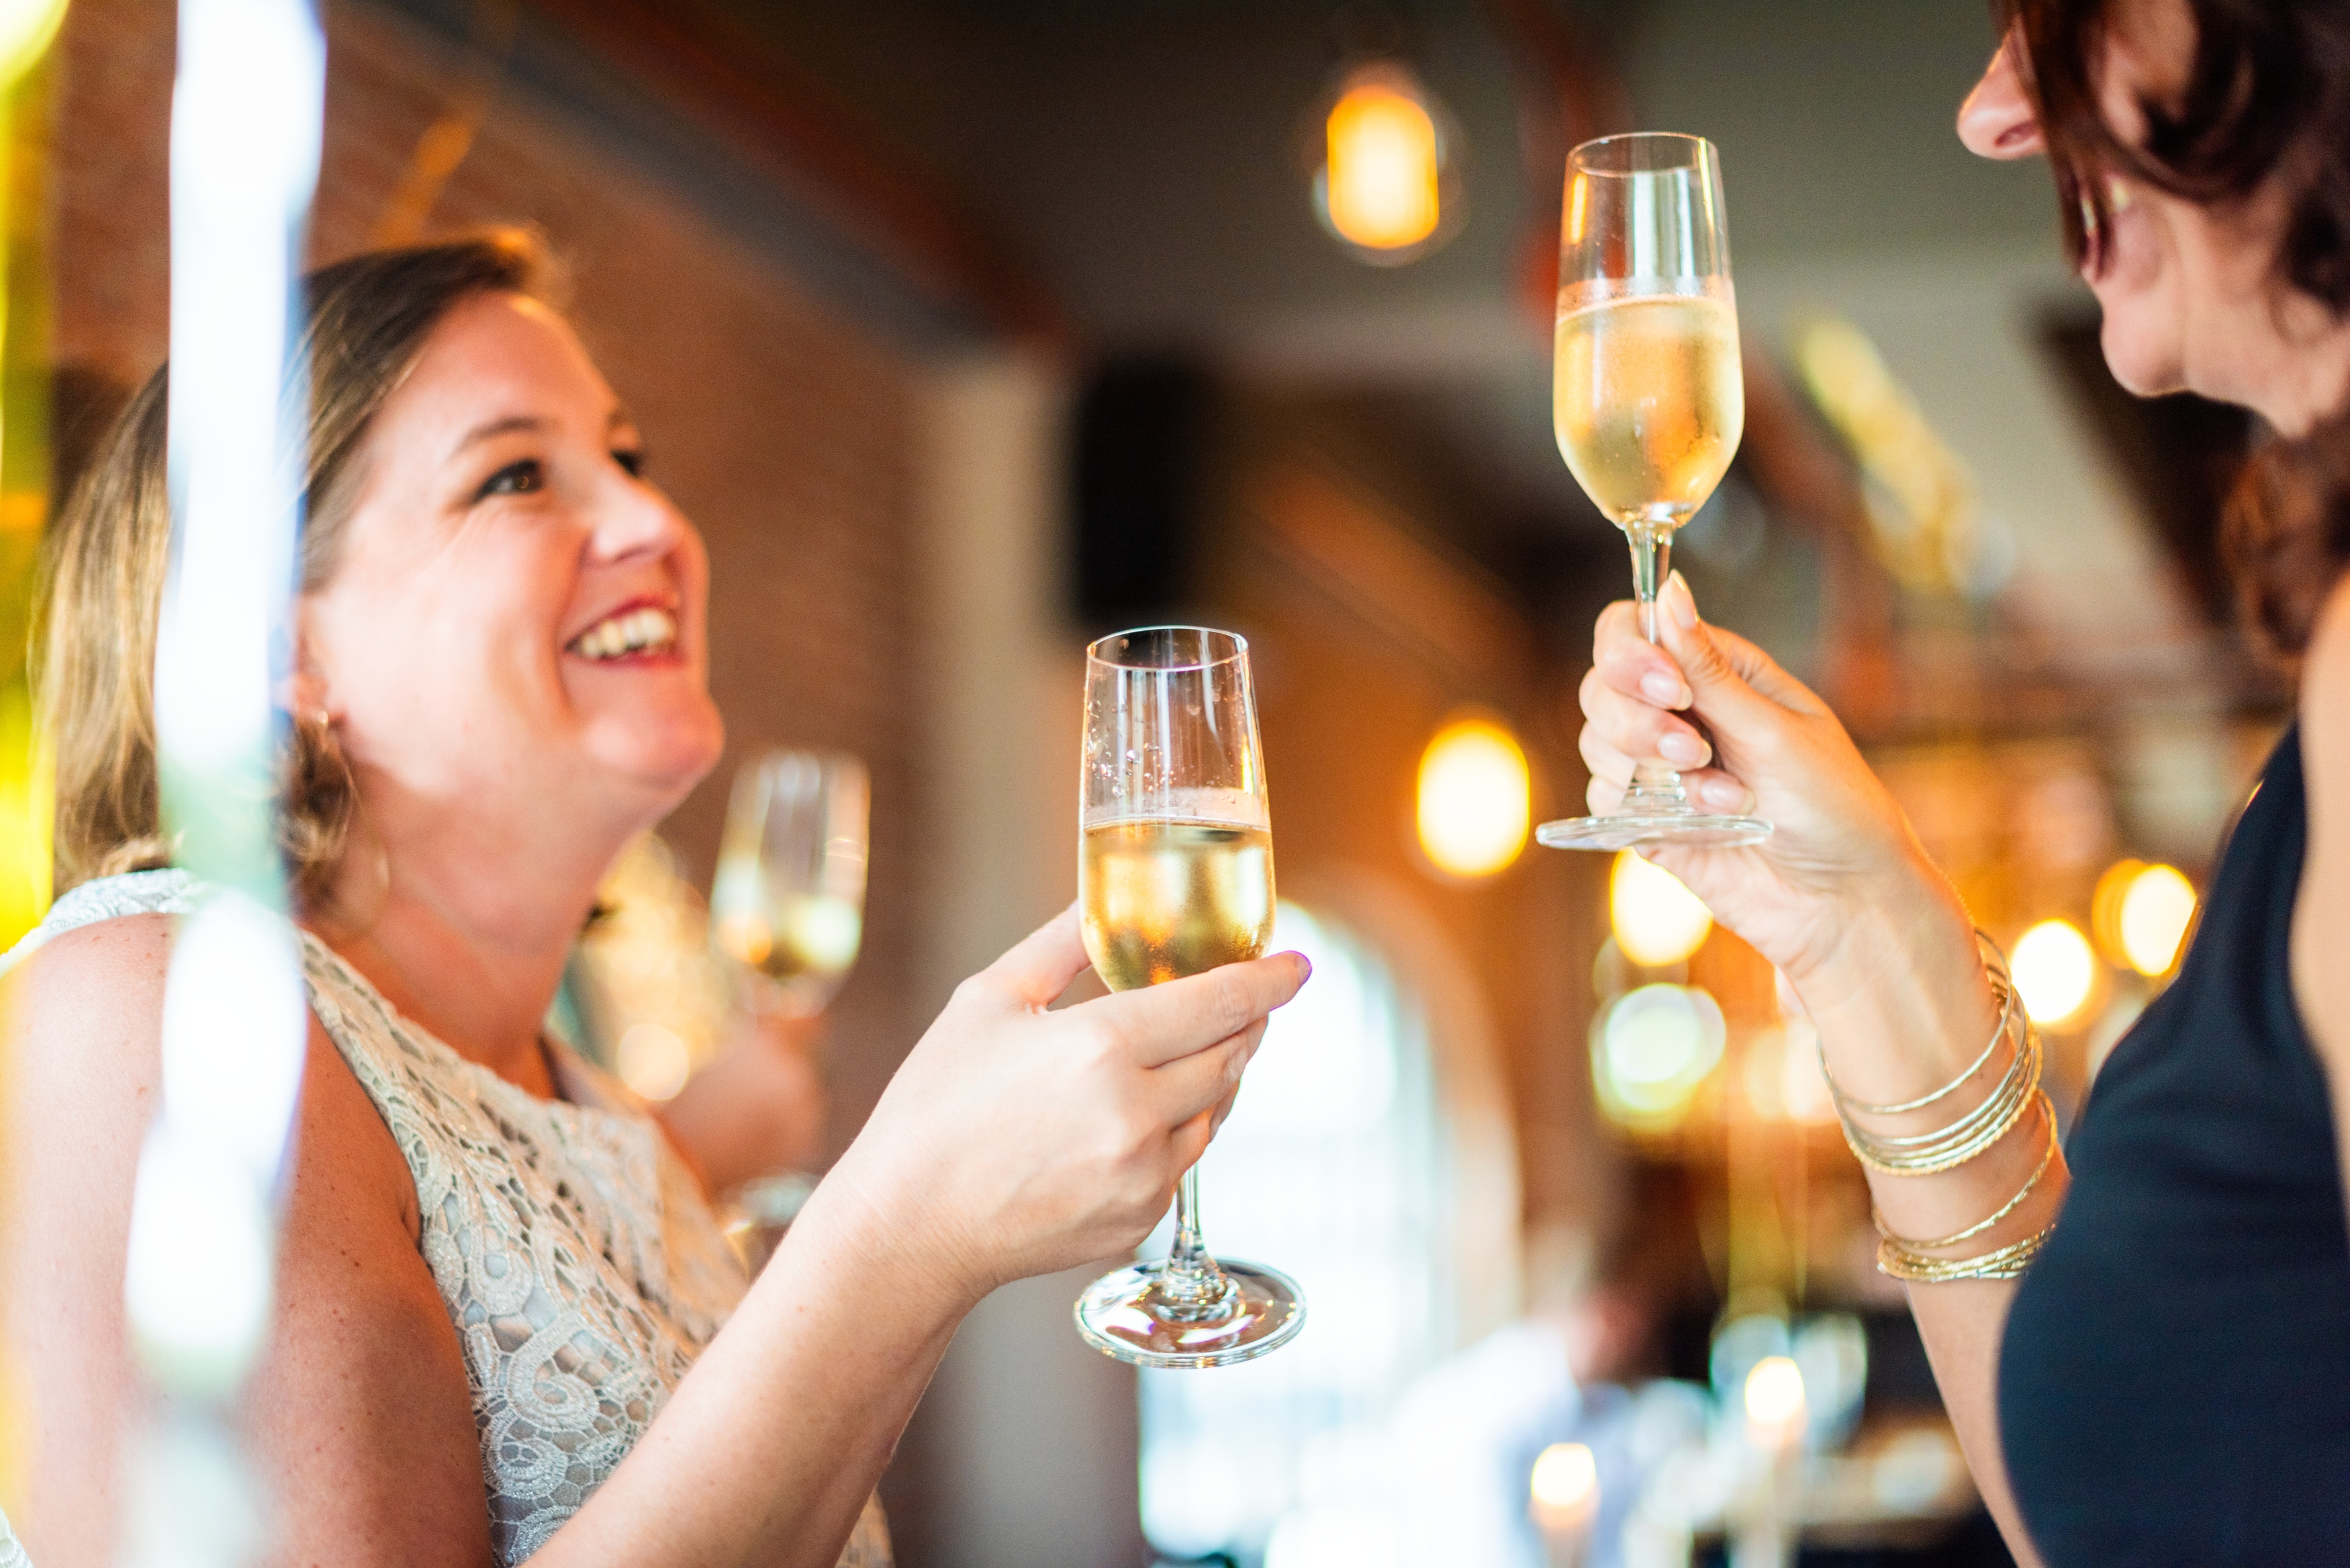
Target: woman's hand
(1018,1141)
(1841,865)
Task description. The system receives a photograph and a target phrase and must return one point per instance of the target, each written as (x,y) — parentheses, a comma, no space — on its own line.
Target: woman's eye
(632,460)
(521,478)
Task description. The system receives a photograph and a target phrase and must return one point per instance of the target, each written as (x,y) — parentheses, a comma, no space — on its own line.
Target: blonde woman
(507,1326)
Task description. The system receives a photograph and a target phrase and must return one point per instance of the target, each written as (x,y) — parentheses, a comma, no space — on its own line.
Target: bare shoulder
(2326,668)
(360,1410)
(84,1021)
(2321,921)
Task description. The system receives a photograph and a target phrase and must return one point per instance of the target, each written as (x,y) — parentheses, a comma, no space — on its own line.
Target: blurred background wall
(968,329)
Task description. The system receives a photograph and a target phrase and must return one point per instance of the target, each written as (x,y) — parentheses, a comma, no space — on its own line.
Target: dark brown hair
(2267,98)
(104,564)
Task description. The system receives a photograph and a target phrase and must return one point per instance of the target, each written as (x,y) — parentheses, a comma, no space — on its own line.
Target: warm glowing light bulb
(2054,972)
(2156,912)
(1565,1485)
(1775,1392)
(1657,920)
(27,29)
(1473,803)
(1381,178)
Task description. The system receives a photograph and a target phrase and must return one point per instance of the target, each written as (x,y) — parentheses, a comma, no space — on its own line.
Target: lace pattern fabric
(580,1265)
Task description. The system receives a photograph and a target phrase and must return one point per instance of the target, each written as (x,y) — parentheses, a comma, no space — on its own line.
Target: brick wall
(780,430)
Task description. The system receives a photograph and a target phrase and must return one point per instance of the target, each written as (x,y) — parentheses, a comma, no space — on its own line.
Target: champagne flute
(1648,401)
(1175,876)
(788,901)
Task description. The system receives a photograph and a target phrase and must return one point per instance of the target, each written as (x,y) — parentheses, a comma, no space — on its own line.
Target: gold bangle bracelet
(1927,1154)
(2008,1262)
(1995,968)
(2047,1157)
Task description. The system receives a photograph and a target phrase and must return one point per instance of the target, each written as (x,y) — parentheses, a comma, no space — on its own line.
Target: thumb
(1720,692)
(1043,964)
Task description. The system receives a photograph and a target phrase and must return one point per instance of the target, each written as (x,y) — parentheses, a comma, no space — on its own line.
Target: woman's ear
(304,691)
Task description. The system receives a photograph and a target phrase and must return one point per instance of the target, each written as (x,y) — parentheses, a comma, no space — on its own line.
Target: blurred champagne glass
(788,901)
(787,906)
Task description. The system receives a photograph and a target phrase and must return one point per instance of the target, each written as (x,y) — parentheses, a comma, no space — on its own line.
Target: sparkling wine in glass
(1175,878)
(1648,401)
(788,901)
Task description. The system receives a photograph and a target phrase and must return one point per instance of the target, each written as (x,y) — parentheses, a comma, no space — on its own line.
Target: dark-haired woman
(506,1325)
(2163,1375)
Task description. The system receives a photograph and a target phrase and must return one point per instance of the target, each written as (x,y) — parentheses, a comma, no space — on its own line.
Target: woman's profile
(2157,1376)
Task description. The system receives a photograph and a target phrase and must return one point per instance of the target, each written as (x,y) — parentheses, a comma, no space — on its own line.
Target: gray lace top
(580,1265)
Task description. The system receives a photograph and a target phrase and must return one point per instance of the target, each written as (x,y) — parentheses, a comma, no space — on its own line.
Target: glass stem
(1190,1284)
(1655,789)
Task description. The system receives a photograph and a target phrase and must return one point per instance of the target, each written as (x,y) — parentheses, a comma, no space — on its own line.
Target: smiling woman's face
(517,615)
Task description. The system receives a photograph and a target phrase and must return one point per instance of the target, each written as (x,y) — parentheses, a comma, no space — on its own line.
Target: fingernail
(1681,749)
(1663,690)
(1679,603)
(1723,795)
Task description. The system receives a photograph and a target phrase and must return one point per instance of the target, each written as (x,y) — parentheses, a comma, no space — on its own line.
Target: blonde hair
(104,562)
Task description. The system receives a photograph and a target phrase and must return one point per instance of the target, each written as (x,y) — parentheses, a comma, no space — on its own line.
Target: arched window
(1336,1167)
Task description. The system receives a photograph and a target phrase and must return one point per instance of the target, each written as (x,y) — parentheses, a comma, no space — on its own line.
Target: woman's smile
(641,631)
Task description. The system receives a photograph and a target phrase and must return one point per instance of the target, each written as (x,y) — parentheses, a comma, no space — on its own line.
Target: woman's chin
(2142,353)
(665,753)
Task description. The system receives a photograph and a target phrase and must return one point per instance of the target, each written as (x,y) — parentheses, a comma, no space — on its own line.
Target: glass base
(1627,830)
(1122,1314)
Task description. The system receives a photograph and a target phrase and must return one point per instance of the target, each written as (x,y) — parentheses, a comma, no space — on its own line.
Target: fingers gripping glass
(1648,401)
(1175,878)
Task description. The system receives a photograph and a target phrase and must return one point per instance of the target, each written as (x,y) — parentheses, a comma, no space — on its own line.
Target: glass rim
(1238,649)
(1702,152)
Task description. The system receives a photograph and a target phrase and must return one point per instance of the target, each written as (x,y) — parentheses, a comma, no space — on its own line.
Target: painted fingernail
(1679,603)
(1723,795)
(1681,749)
(1665,691)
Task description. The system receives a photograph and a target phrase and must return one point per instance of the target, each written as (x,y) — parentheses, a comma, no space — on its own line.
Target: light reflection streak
(246,116)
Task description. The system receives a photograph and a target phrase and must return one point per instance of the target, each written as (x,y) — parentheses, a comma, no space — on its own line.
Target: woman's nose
(635,519)
(1997,121)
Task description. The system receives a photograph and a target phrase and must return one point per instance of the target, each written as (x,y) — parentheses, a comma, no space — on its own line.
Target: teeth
(624,634)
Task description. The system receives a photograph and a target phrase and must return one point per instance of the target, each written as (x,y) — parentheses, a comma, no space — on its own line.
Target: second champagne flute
(1175,878)
(1648,400)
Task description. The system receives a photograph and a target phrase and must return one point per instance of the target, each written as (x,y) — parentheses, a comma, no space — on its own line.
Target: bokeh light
(27,29)
(653,1061)
(1380,184)
(1652,1049)
(1565,1482)
(2155,910)
(1774,1392)
(1657,920)
(1474,802)
(2054,972)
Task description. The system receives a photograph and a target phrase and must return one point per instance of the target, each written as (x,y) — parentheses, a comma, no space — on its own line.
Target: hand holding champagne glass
(1175,878)
(1648,400)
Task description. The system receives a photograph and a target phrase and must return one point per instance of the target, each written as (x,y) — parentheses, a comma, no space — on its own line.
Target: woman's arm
(2320,915)
(1874,940)
(360,1415)
(1014,1141)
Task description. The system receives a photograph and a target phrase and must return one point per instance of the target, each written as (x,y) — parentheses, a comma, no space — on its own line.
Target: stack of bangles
(1968,1138)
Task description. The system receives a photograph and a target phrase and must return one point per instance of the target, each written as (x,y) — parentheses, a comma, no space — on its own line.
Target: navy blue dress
(2175,1385)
